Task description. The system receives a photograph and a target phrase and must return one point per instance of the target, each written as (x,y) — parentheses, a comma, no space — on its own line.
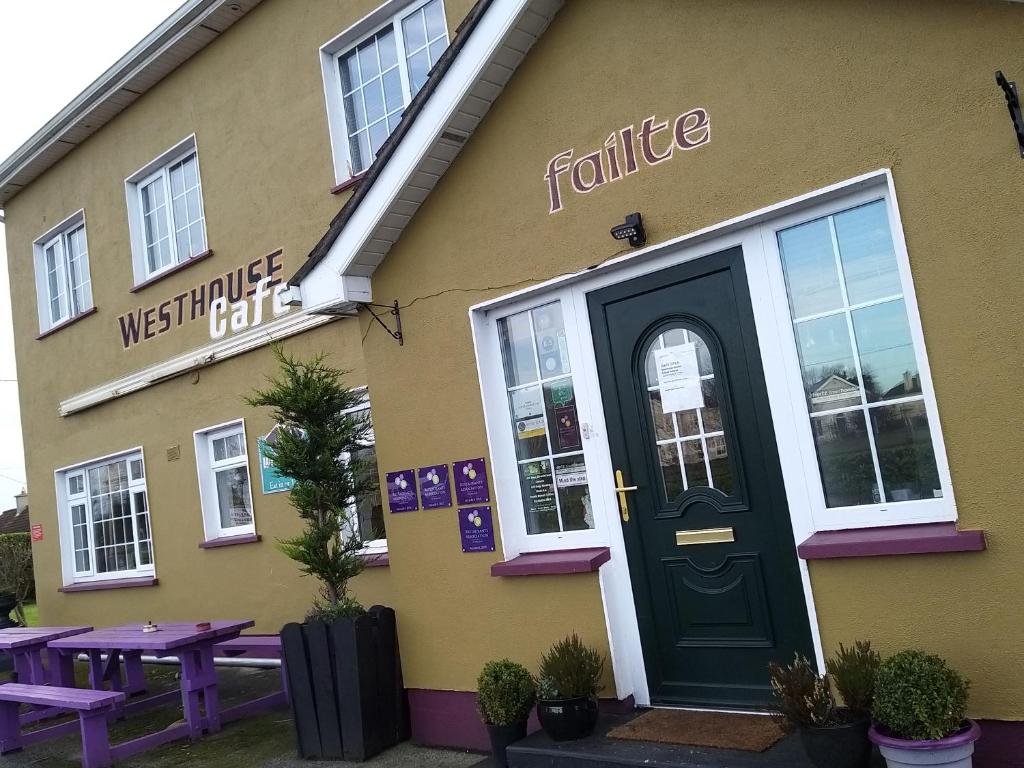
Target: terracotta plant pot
(954,751)
(840,746)
(502,737)
(567,719)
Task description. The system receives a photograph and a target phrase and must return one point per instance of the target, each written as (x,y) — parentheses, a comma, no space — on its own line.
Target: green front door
(708,536)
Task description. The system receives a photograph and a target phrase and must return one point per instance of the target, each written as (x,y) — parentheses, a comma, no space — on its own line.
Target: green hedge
(16,575)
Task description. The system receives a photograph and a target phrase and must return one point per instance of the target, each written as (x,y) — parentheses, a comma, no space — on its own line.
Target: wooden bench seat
(250,646)
(92,708)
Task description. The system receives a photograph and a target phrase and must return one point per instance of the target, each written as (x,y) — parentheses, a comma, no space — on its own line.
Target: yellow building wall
(801,95)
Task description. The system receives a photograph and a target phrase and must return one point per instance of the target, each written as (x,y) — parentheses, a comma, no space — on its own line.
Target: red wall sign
(37,533)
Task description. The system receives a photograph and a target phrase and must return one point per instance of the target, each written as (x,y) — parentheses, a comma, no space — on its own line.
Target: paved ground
(259,742)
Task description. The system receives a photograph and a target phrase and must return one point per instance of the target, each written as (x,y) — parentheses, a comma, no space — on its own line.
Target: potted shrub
(567,688)
(505,696)
(920,713)
(342,663)
(832,736)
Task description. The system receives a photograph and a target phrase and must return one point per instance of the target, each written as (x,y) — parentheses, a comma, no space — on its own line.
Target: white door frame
(572,290)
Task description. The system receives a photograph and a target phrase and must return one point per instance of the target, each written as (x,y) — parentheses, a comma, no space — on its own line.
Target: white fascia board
(245,341)
(325,285)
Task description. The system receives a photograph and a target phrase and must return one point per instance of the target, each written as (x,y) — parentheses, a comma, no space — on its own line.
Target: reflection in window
(683,396)
(857,358)
(545,423)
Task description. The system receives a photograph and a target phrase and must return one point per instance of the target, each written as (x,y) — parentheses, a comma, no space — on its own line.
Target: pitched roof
(184,33)
(12,521)
(487,48)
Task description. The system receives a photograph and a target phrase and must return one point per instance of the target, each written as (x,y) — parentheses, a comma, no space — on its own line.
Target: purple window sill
(555,562)
(230,541)
(172,271)
(65,323)
(920,539)
(376,560)
(90,586)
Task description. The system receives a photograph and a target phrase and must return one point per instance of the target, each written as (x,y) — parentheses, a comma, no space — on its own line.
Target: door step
(599,751)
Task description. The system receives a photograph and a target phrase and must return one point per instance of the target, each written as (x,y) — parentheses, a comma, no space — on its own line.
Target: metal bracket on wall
(392,309)
(1013,104)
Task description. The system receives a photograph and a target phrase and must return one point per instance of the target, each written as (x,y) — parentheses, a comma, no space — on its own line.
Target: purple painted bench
(92,707)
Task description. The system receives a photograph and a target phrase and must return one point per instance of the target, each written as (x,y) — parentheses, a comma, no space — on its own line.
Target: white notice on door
(679,378)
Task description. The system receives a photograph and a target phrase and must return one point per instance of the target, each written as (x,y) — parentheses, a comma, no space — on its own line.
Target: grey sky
(49,53)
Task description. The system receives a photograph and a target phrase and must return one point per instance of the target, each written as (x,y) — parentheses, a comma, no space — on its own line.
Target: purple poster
(435,490)
(476,529)
(568,428)
(402,491)
(471,482)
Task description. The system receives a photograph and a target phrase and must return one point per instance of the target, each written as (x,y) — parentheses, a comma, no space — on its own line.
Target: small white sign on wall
(679,378)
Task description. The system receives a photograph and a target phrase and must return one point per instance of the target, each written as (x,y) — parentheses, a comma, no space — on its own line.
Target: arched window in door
(687,420)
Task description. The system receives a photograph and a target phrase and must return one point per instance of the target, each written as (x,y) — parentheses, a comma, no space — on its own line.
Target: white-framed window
(371,73)
(104,519)
(366,511)
(538,400)
(858,374)
(165,211)
(225,489)
(63,284)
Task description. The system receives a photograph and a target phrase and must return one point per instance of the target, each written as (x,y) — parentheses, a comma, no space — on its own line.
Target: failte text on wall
(233,301)
(625,152)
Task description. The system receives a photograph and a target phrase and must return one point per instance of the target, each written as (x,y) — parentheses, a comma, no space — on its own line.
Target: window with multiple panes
(224,486)
(62,274)
(381,74)
(859,363)
(542,408)
(171,208)
(106,513)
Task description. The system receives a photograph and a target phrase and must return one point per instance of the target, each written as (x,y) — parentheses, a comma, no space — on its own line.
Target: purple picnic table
(195,651)
(26,645)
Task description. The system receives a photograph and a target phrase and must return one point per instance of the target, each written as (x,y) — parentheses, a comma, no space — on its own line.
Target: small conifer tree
(316,446)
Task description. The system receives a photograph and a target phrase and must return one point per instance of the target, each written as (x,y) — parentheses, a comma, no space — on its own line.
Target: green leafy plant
(919,696)
(803,698)
(853,671)
(570,669)
(505,692)
(319,430)
(16,575)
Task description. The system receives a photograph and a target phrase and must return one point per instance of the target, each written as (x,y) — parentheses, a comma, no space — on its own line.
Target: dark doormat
(751,733)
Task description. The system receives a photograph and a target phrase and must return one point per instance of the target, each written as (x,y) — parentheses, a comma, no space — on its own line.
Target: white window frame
(866,515)
(373,546)
(58,235)
(390,13)
(65,499)
(156,168)
(206,468)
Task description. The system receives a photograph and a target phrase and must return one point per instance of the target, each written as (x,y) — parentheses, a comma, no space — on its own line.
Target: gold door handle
(621,490)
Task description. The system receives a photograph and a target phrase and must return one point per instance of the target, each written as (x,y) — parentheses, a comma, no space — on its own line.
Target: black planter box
(345,686)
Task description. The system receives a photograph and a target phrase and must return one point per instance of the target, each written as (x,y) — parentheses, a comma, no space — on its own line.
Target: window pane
(905,452)
(393,98)
(137,471)
(373,97)
(529,422)
(552,350)
(378,135)
(808,260)
(436,49)
(693,464)
(233,497)
(663,429)
(414,32)
(886,351)
(671,472)
(563,423)
(419,68)
(355,117)
(369,506)
(573,493)
(386,49)
(868,257)
(721,468)
(368,65)
(827,365)
(517,349)
(359,146)
(844,459)
(539,497)
(349,66)
(433,13)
